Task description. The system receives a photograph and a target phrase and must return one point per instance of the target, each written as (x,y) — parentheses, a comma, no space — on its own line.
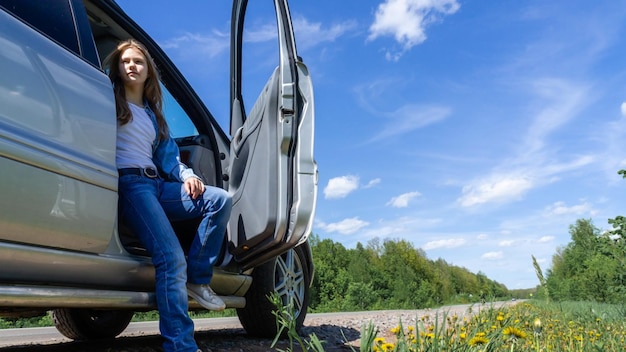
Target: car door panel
(255,177)
(272,172)
(57,136)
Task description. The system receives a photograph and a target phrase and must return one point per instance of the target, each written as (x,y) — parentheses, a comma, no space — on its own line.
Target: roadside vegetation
(579,305)
(527,326)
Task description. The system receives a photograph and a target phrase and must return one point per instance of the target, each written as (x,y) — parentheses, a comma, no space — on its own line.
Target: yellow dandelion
(395,330)
(379,340)
(388,347)
(514,332)
(537,326)
(410,328)
(462,336)
(478,340)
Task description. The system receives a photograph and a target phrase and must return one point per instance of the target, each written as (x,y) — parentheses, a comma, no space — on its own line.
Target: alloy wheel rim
(289,281)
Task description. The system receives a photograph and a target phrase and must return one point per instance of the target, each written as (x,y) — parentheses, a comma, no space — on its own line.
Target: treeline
(390,275)
(592,267)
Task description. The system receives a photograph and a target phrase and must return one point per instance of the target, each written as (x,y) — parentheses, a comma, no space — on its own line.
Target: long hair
(152,89)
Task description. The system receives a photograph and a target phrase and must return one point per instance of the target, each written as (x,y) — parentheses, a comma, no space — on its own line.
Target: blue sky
(479,131)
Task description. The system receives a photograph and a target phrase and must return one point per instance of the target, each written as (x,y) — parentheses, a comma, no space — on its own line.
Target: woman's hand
(194,187)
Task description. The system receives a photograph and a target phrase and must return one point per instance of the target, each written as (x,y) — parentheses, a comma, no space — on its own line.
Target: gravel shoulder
(340,331)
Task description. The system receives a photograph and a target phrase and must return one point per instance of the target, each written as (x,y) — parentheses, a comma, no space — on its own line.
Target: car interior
(196,151)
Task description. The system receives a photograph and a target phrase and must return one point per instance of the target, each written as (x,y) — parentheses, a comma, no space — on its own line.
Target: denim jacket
(166,156)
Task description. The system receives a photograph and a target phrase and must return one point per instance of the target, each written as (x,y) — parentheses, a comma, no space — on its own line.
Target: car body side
(59,239)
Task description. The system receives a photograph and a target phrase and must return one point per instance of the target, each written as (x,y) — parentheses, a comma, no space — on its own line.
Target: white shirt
(135,139)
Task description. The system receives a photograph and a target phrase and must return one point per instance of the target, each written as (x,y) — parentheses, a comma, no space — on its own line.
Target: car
(62,249)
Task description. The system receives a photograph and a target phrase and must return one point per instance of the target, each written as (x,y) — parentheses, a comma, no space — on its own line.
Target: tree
(389,274)
(593,265)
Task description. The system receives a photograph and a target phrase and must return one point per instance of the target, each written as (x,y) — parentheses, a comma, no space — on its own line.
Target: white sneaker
(204,295)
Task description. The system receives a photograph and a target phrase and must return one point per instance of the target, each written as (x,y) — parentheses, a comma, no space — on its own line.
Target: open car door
(272,171)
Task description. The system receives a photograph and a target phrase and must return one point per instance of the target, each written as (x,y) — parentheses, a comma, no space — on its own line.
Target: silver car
(61,248)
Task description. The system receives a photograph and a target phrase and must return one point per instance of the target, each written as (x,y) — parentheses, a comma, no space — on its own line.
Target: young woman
(155,188)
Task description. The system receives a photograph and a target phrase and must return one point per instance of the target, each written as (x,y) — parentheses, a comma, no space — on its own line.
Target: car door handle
(238,141)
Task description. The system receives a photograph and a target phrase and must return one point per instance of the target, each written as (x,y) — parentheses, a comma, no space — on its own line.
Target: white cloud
(506,243)
(311,34)
(449,243)
(340,187)
(546,239)
(561,101)
(409,118)
(623,108)
(406,21)
(558,102)
(194,44)
(372,183)
(482,236)
(400,227)
(217,42)
(261,34)
(560,208)
(402,201)
(345,226)
(493,255)
(498,188)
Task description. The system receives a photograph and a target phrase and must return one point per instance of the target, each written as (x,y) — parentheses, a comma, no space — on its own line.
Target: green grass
(530,326)
(533,326)
(43,321)
(200,314)
(34,322)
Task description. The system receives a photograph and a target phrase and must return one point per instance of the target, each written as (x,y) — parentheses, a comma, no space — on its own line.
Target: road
(50,335)
(226,334)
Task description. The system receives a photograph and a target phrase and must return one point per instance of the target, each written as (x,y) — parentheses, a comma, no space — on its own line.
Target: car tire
(289,276)
(90,324)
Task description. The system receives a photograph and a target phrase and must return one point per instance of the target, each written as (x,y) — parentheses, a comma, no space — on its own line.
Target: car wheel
(87,324)
(286,275)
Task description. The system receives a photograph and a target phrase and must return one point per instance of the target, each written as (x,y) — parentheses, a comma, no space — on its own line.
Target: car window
(59,27)
(177,119)
(28,101)
(259,51)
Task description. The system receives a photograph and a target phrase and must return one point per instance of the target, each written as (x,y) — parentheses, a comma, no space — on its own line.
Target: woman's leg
(214,209)
(140,209)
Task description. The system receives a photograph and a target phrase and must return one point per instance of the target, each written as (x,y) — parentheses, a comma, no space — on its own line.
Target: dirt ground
(340,332)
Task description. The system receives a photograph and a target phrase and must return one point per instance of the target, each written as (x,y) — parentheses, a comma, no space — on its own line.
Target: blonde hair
(152,89)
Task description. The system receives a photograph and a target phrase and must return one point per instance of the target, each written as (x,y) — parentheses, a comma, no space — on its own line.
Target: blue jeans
(147,205)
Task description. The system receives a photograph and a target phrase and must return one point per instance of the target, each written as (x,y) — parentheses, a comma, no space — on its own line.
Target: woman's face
(133,67)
